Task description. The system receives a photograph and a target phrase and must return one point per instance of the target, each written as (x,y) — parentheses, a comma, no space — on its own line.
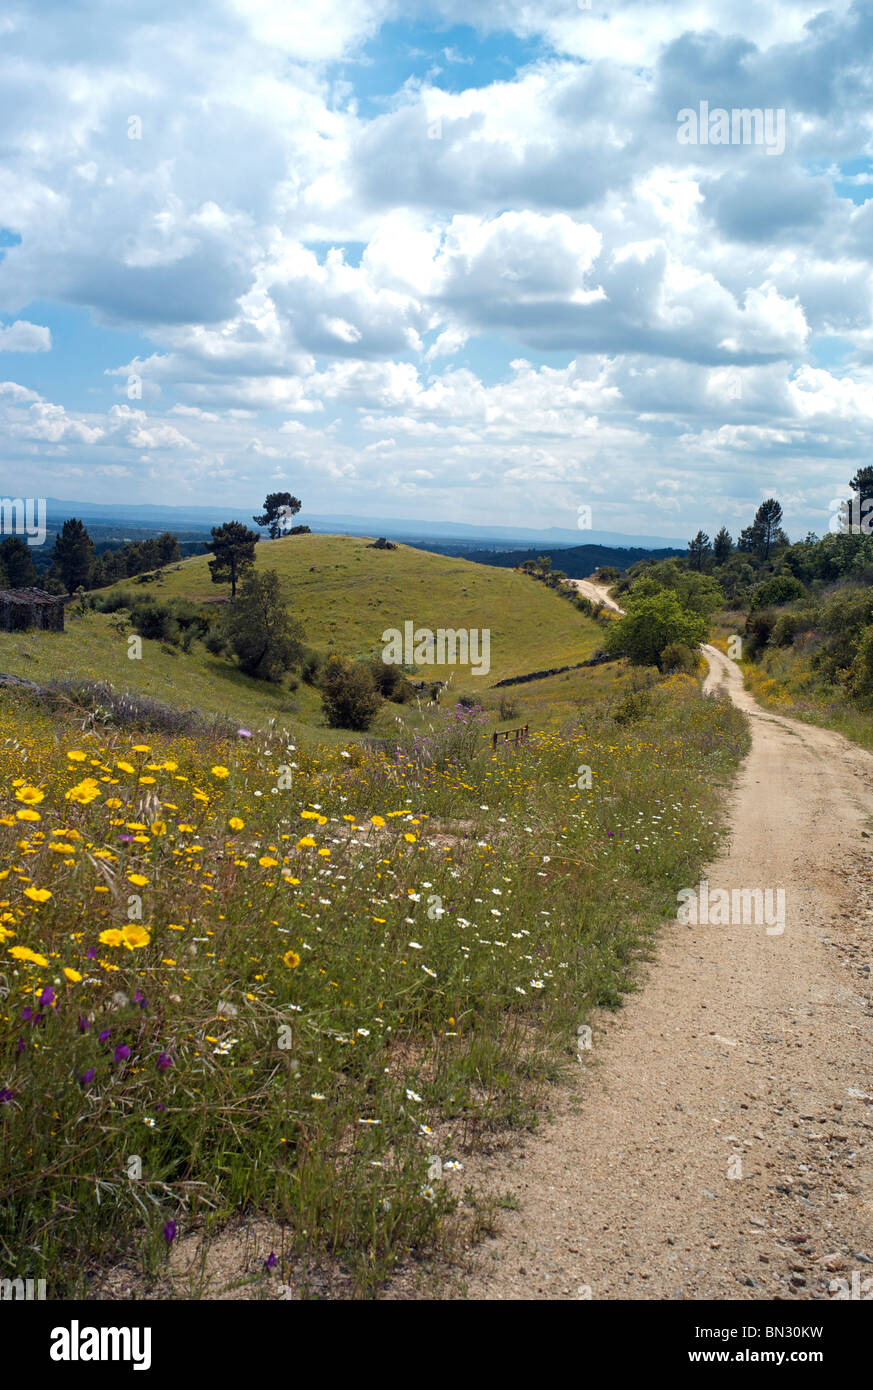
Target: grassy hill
(347,594)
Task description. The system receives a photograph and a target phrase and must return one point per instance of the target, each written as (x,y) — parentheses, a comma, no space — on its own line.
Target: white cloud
(22,336)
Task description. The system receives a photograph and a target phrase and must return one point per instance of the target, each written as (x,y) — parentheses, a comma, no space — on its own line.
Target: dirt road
(598,593)
(718,1142)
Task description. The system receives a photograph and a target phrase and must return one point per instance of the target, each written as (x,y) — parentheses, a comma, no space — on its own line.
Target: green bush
(759,629)
(677,656)
(391,681)
(653,622)
(781,588)
(111,602)
(859,680)
(311,663)
(264,638)
(154,620)
(348,694)
(789,625)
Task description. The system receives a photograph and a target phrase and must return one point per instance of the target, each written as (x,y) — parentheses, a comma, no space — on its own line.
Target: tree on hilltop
(279,508)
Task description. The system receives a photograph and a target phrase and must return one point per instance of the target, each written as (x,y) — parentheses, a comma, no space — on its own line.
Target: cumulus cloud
(22,336)
(515,279)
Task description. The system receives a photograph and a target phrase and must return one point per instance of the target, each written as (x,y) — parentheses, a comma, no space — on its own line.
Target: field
(246,978)
(346,594)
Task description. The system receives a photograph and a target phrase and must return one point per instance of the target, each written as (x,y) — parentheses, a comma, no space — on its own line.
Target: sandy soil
(717,1141)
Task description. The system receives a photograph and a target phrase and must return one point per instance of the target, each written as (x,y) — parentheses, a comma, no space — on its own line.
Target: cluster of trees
(815,595)
(759,539)
(138,557)
(669,603)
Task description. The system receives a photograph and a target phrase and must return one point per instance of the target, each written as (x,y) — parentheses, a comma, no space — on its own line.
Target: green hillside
(346,593)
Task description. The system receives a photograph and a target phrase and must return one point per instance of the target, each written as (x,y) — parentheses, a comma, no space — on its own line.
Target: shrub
(635,705)
(391,681)
(259,630)
(842,618)
(154,620)
(789,625)
(311,663)
(781,588)
(348,694)
(677,656)
(759,628)
(652,623)
(111,602)
(215,640)
(508,708)
(859,679)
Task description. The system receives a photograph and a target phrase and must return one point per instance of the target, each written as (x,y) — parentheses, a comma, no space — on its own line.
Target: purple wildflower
(271,1261)
(87,1077)
(122,1052)
(83,1024)
(106,1033)
(169,1232)
(19,1046)
(47,997)
(5,1095)
(164,1061)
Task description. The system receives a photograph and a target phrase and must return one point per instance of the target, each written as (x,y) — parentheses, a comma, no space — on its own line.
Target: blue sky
(441,260)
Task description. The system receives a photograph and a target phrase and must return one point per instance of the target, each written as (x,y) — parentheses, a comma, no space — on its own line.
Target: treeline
(74,562)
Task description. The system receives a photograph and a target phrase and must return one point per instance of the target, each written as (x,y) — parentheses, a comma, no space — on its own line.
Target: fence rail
(504,735)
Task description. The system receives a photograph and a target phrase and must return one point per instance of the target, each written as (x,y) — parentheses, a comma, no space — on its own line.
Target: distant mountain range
(139,517)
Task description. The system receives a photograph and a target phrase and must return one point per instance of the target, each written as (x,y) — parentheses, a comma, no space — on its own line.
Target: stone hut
(23,608)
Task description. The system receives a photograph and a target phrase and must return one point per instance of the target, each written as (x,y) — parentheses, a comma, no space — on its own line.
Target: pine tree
(722,545)
(73,554)
(279,507)
(18,563)
(768,522)
(233,549)
(699,548)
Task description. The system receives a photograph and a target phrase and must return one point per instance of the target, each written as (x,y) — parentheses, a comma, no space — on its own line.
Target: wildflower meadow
(240,976)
